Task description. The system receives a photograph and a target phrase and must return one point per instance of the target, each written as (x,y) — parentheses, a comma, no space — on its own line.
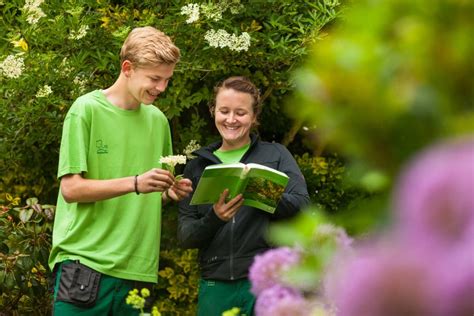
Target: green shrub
(178,282)
(324,177)
(51,52)
(377,92)
(334,192)
(25,235)
(25,242)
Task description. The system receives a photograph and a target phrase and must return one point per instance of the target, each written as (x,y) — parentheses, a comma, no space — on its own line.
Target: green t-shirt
(230,156)
(119,237)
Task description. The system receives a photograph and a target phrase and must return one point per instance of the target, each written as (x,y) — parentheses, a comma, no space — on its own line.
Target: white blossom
(192,11)
(33,3)
(212,11)
(65,67)
(12,66)
(80,84)
(173,160)
(33,11)
(240,43)
(221,39)
(192,146)
(44,91)
(75,35)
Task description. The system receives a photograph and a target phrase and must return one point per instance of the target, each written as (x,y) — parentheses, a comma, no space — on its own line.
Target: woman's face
(234,117)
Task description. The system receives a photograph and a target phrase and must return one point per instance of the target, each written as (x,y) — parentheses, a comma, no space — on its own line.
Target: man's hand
(155,180)
(225,211)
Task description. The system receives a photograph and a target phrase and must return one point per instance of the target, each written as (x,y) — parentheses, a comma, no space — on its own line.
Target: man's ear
(127,68)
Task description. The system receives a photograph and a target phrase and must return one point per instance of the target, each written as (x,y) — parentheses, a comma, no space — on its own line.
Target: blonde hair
(147,46)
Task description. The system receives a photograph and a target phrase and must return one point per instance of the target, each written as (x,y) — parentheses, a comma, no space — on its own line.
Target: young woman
(228,234)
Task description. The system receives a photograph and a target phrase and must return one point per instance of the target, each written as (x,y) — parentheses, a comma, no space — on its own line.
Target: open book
(261,186)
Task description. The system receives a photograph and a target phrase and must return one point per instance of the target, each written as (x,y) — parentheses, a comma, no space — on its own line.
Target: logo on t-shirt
(101,147)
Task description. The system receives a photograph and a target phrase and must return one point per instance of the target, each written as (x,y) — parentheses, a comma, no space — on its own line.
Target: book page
(215,180)
(264,188)
(262,167)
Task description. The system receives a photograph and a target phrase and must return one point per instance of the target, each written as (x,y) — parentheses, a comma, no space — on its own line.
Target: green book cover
(261,186)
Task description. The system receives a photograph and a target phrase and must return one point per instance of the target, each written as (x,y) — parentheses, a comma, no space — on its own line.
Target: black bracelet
(136,185)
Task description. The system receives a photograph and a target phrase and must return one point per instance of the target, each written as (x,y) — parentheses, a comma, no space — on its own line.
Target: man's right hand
(155,180)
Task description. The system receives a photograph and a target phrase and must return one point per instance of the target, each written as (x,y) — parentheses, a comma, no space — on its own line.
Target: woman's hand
(179,190)
(225,211)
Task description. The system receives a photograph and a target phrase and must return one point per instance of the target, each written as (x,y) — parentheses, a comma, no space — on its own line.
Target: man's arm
(76,188)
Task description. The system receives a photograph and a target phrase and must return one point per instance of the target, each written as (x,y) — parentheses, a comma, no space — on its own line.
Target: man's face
(146,83)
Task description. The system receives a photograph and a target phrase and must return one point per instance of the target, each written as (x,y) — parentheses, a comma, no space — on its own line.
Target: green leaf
(26,214)
(31,201)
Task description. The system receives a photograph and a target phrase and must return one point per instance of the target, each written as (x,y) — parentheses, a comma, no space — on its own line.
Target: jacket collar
(207,152)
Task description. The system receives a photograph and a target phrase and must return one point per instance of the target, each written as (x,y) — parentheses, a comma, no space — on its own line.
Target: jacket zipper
(231,259)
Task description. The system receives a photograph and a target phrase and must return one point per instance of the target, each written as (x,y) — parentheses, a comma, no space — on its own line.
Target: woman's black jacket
(227,249)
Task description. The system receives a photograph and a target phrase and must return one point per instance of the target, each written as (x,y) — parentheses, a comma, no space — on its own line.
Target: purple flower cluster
(425,266)
(275,296)
(434,202)
(389,281)
(280,301)
(268,268)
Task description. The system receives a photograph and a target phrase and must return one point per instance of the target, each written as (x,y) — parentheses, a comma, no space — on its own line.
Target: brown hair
(147,46)
(240,84)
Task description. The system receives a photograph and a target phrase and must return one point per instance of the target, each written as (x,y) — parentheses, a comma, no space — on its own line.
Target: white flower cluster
(12,66)
(212,11)
(173,160)
(75,35)
(33,11)
(192,11)
(221,38)
(44,91)
(65,68)
(192,146)
(80,82)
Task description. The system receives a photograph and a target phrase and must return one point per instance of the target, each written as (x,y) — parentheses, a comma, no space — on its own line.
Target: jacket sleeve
(196,230)
(296,194)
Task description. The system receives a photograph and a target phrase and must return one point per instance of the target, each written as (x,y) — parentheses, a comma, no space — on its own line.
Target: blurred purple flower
(280,301)
(386,281)
(267,268)
(434,202)
(457,292)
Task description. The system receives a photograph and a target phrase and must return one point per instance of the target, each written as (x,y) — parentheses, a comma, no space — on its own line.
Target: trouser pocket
(78,284)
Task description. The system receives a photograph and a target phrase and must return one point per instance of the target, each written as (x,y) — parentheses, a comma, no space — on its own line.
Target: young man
(106,232)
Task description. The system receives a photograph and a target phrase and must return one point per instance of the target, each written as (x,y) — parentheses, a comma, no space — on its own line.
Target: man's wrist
(135,183)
